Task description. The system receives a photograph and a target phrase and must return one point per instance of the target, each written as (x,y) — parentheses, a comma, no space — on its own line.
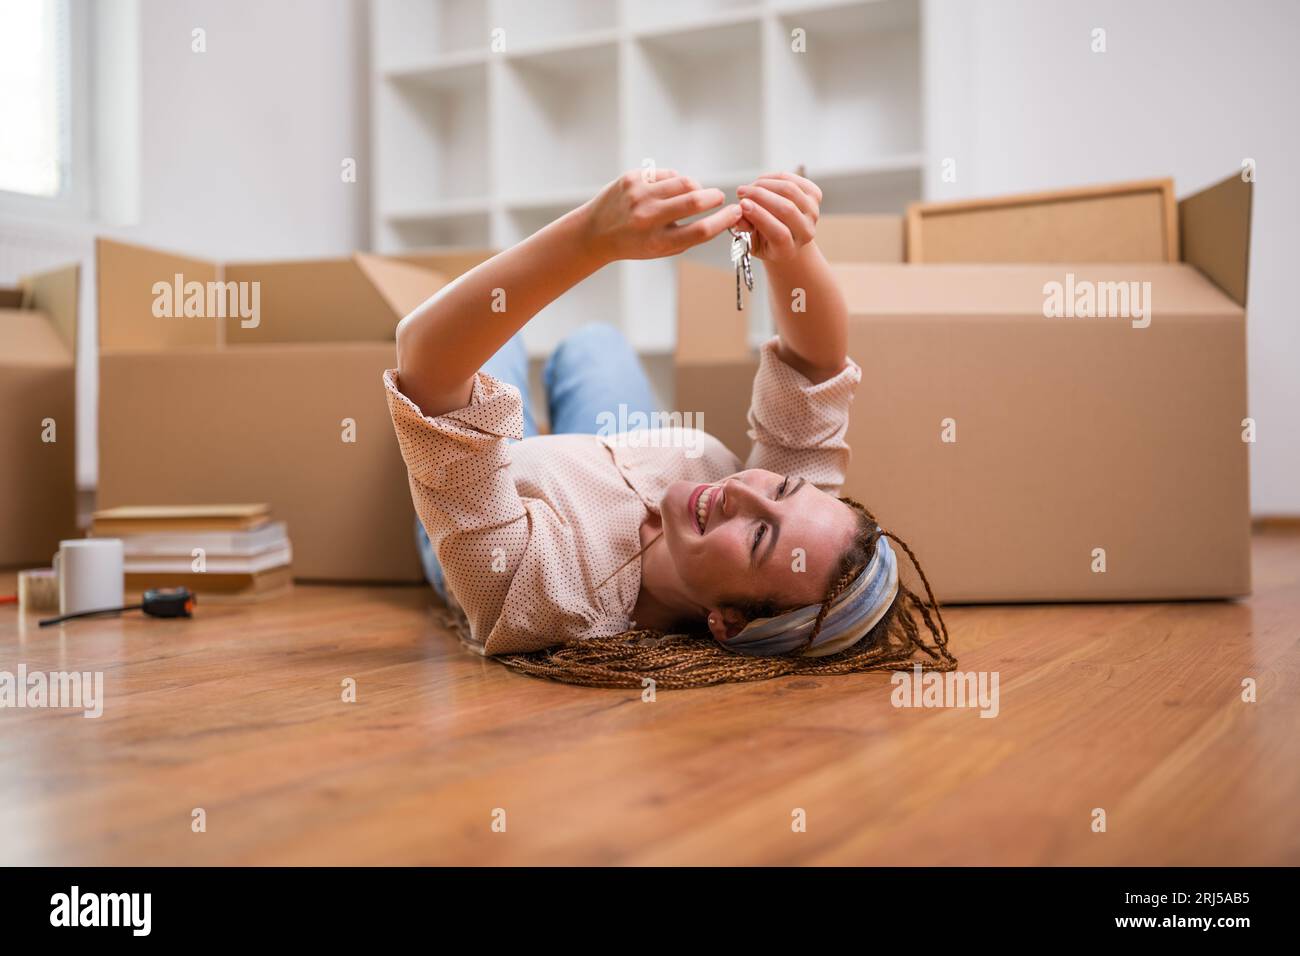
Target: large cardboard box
(38,435)
(1035,458)
(287,407)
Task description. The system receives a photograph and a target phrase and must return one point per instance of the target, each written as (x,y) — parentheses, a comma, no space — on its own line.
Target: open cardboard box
(38,435)
(1077,440)
(287,407)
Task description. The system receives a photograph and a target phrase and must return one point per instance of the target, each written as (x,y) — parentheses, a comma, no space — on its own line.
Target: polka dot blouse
(530,533)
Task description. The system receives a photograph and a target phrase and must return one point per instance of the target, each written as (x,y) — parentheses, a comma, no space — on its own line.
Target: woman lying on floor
(590,542)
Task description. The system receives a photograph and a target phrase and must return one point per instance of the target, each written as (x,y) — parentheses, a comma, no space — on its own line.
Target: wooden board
(1121,222)
(147,519)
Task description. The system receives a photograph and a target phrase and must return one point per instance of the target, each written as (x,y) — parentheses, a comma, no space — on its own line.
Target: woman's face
(755,536)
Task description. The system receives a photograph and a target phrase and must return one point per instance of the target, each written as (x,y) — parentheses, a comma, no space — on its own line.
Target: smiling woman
(572,555)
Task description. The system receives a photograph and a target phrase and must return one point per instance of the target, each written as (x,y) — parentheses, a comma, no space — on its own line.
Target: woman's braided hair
(697,660)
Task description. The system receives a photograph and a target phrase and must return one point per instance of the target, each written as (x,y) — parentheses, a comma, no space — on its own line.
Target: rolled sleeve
(797,426)
(432,446)
(459,469)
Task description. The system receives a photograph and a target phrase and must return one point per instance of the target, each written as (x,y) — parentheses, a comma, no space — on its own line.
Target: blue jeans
(593,370)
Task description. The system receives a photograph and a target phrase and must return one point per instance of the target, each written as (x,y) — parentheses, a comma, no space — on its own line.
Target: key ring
(741,244)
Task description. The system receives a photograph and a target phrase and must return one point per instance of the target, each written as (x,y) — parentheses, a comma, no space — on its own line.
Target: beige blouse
(526,530)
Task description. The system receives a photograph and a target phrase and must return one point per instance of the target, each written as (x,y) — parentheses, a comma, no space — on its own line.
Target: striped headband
(852,615)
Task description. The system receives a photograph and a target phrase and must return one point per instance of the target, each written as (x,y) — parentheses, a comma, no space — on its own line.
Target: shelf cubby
(879,191)
(849,94)
(530,24)
(468,229)
(415,33)
(437,137)
(640,15)
(695,101)
(557,121)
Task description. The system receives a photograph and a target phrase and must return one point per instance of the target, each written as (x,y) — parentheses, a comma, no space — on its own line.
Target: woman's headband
(853,613)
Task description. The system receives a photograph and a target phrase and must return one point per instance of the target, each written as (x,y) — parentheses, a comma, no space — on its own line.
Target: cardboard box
(288,409)
(38,433)
(713,362)
(865,238)
(1120,222)
(1071,434)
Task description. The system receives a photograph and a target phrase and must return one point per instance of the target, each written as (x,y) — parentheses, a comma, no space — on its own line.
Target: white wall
(1187,88)
(241,146)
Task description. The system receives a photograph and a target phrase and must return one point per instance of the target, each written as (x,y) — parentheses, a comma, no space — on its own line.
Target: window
(44,109)
(34,112)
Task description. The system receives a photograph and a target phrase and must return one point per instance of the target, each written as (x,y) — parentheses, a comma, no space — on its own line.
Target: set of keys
(741,245)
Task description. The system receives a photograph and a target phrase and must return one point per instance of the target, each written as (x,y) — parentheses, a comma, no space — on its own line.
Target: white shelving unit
(493,117)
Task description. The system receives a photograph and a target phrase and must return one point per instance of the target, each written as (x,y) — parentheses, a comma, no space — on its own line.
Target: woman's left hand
(780,211)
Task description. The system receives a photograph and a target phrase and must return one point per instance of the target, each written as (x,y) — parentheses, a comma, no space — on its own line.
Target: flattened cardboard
(710,328)
(38,495)
(713,391)
(714,365)
(30,338)
(1215,228)
(54,294)
(864,238)
(127,286)
(323,300)
(1121,222)
(403,287)
(38,492)
(262,413)
(447,260)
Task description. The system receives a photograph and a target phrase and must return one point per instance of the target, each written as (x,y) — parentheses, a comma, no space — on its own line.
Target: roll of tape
(38,590)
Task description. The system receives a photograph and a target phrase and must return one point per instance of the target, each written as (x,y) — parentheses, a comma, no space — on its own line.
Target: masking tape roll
(38,590)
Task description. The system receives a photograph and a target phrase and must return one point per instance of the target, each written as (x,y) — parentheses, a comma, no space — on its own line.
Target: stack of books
(216,550)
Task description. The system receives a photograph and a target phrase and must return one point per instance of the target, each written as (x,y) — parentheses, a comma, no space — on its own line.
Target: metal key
(741,244)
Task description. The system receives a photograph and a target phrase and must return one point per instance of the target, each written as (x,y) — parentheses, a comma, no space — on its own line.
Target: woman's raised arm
(444,342)
(808,307)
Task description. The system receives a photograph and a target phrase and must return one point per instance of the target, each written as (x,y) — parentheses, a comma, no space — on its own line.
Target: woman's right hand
(635,216)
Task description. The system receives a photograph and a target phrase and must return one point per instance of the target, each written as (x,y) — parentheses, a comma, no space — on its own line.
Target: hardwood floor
(1135,709)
